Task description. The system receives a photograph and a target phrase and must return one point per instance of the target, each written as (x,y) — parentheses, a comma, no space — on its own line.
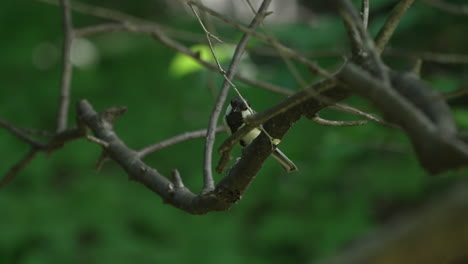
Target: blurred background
(352,180)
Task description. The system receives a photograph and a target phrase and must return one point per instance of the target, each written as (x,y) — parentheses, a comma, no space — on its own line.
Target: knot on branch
(102,122)
(111,114)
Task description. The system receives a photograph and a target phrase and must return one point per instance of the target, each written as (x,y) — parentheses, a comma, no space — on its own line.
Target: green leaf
(183,64)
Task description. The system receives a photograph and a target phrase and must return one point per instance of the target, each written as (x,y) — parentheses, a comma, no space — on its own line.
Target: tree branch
(391,24)
(431,130)
(317,119)
(137,170)
(175,140)
(351,110)
(18,132)
(365,13)
(448,7)
(172,44)
(210,135)
(285,50)
(446,58)
(158,33)
(57,141)
(125,18)
(287,61)
(363,45)
(97,11)
(62,116)
(431,138)
(226,193)
(17,167)
(261,117)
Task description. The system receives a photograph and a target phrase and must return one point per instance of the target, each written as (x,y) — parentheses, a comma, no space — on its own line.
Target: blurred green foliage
(59,210)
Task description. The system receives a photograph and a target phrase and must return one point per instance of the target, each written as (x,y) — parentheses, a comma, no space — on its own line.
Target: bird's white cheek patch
(246,113)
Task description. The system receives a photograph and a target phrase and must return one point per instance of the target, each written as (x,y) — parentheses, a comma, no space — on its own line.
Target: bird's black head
(238,105)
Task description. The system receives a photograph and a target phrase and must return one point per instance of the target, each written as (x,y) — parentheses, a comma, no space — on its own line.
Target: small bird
(236,112)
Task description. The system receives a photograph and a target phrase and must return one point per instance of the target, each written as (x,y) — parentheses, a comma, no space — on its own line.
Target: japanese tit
(236,112)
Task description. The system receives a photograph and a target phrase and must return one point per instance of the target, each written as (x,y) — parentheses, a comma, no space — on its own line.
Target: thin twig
(157,33)
(39,132)
(365,13)
(125,18)
(209,35)
(445,58)
(57,141)
(164,39)
(227,79)
(415,67)
(101,160)
(211,76)
(456,93)
(448,7)
(317,119)
(62,116)
(391,24)
(18,166)
(438,57)
(177,179)
(97,11)
(364,43)
(444,96)
(210,135)
(209,24)
(287,51)
(434,136)
(289,64)
(97,141)
(352,110)
(175,140)
(19,133)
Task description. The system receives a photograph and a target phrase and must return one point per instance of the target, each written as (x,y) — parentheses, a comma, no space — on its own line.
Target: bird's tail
(284,161)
